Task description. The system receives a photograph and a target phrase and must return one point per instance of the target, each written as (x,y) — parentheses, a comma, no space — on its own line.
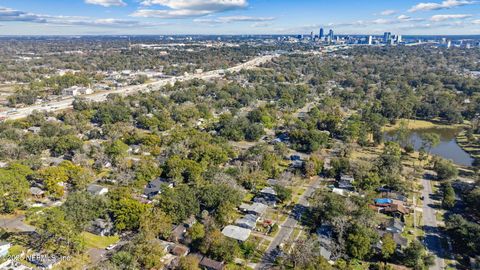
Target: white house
(4,247)
(97,190)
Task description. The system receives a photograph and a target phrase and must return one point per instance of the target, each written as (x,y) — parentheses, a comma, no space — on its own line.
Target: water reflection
(447,148)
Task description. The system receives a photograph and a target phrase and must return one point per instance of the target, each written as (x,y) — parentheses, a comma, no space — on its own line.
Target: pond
(448,147)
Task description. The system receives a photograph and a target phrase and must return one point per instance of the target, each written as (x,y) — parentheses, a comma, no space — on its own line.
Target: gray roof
(236,232)
(247,222)
(36,191)
(258,208)
(95,189)
(395,224)
(347,178)
(154,187)
(324,234)
(272,182)
(269,191)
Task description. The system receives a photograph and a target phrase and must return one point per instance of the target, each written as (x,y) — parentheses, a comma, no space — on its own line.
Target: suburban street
(432,234)
(288,226)
(19,113)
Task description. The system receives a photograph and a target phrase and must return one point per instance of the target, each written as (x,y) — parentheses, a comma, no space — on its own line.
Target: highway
(63,104)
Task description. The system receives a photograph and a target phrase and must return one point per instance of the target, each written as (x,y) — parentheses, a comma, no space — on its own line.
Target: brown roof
(180,250)
(396,208)
(211,264)
(178,232)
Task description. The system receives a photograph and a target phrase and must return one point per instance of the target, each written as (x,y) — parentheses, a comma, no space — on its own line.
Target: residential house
(394,226)
(190,221)
(237,233)
(396,210)
(248,222)
(178,233)
(383,202)
(155,187)
(97,190)
(4,247)
(101,227)
(346,182)
(267,196)
(134,149)
(209,264)
(34,130)
(324,234)
(13,265)
(43,261)
(399,240)
(258,209)
(272,182)
(180,250)
(37,192)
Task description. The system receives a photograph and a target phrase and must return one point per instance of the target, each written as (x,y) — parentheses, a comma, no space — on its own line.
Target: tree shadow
(434,241)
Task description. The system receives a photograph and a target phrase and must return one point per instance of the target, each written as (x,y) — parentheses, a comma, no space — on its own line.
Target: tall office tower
(312,36)
(321,34)
(386,37)
(449,44)
(370,40)
(330,34)
(399,39)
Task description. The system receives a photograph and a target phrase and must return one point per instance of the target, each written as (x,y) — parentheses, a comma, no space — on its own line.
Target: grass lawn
(418,124)
(409,227)
(248,197)
(101,242)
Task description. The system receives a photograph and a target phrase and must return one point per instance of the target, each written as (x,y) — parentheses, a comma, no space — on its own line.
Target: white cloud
(381,21)
(106,3)
(388,12)
(12,15)
(231,19)
(259,25)
(447,4)
(187,8)
(446,17)
(476,22)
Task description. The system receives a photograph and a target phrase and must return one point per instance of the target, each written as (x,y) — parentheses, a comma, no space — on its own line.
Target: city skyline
(117,17)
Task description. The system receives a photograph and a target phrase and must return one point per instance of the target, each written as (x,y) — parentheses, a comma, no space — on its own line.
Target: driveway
(433,237)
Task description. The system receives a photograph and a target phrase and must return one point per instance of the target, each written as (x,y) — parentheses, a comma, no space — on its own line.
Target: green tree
(448,198)
(359,242)
(116,149)
(57,234)
(52,179)
(283,194)
(430,140)
(445,169)
(127,213)
(155,223)
(189,262)
(13,187)
(388,246)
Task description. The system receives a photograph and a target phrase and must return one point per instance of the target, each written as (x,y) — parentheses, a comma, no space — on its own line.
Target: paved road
(287,227)
(101,96)
(15,224)
(432,233)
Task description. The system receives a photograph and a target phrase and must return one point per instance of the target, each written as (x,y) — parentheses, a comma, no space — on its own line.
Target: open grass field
(101,242)
(419,124)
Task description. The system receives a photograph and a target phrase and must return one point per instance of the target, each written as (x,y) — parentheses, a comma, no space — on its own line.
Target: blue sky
(82,17)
